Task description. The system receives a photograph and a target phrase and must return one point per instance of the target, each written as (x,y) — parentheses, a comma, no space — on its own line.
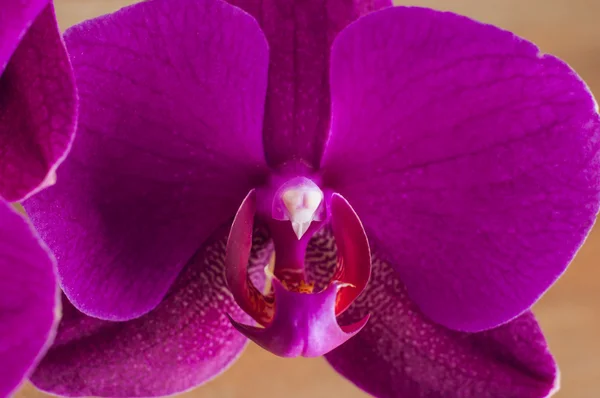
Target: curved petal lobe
(184,342)
(169,142)
(353,266)
(401,354)
(472,159)
(28,305)
(38,104)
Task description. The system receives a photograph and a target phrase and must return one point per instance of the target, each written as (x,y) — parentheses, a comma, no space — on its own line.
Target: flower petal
(472,159)
(184,342)
(29,299)
(400,353)
(38,106)
(300,34)
(169,143)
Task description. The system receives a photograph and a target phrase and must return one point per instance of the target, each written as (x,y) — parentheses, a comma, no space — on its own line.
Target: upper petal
(402,354)
(300,34)
(184,342)
(38,104)
(472,159)
(169,142)
(28,301)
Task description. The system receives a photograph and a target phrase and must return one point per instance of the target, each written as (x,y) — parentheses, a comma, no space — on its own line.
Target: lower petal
(184,342)
(28,304)
(402,354)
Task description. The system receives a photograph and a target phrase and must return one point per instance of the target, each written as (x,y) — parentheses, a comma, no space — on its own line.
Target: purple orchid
(243,172)
(37,123)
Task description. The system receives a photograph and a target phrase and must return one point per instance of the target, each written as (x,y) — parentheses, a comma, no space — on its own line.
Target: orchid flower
(390,187)
(37,123)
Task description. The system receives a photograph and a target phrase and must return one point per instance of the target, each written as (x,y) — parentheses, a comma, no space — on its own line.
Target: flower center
(294,319)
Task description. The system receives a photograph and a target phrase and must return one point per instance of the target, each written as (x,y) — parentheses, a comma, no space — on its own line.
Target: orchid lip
(294,320)
(305,326)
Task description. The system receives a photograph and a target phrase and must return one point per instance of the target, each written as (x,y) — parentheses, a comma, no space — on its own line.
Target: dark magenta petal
(38,104)
(402,354)
(29,301)
(304,324)
(300,33)
(184,342)
(169,142)
(471,158)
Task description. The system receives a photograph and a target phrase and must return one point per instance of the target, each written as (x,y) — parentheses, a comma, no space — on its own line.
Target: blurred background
(569,313)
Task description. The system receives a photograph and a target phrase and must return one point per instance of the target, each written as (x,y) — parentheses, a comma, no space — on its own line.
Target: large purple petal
(169,143)
(402,354)
(184,342)
(38,107)
(28,305)
(472,159)
(300,33)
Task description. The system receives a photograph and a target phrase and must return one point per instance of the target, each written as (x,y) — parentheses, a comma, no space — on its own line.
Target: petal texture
(169,143)
(38,105)
(29,299)
(472,159)
(402,354)
(184,342)
(300,33)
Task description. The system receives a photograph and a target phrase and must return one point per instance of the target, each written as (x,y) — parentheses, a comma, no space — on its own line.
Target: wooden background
(569,313)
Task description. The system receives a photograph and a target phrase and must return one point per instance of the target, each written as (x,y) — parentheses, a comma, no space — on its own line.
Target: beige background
(569,313)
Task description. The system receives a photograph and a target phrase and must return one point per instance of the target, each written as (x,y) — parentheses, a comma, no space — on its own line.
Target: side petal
(300,33)
(169,143)
(38,100)
(184,342)
(28,305)
(472,159)
(402,354)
